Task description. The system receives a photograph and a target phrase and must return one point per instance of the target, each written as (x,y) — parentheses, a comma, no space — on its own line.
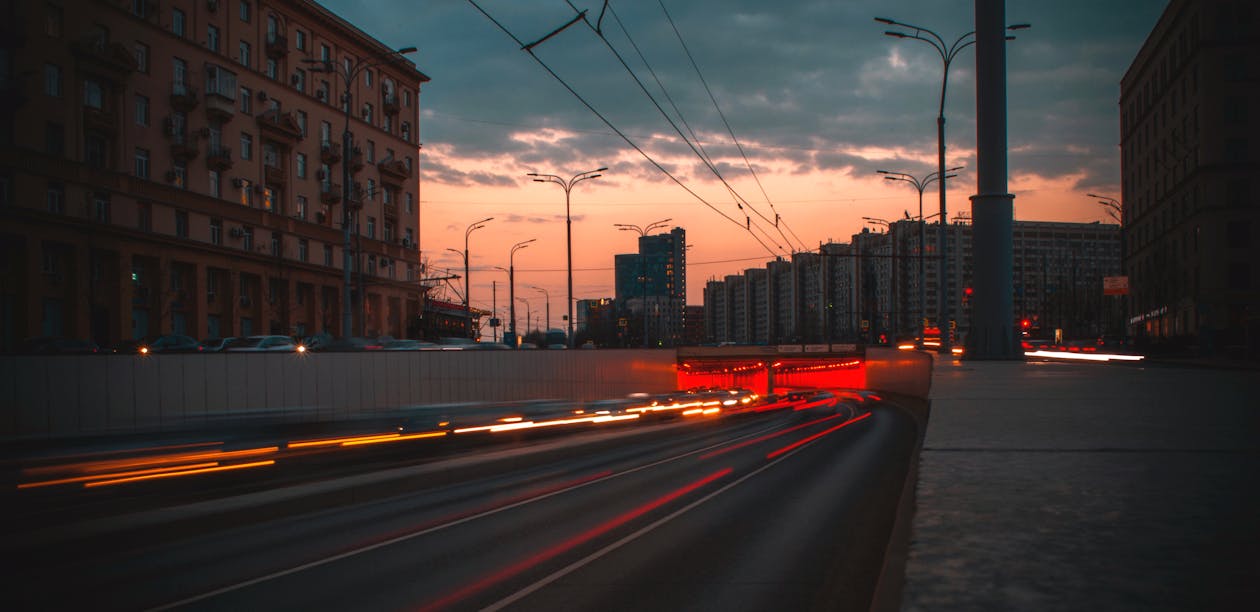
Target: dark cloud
(809,83)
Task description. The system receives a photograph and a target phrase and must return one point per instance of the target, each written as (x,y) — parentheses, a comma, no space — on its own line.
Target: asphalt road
(783,510)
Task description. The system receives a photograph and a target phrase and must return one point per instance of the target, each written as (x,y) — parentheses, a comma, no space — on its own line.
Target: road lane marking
(409,536)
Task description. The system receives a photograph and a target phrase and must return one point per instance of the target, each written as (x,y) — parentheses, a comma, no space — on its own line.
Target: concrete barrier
(896,371)
(61,396)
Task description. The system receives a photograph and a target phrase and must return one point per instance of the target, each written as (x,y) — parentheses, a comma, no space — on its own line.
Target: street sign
(1115,285)
(817,348)
(789,348)
(494,322)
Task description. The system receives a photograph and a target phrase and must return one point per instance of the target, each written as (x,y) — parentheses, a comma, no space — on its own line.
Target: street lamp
(567,185)
(547,294)
(512,287)
(947,53)
(919,185)
(348,74)
(472,227)
(643,232)
(1115,210)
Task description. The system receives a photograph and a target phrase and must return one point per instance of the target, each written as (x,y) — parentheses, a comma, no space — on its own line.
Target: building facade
(175,167)
(652,285)
(1189,158)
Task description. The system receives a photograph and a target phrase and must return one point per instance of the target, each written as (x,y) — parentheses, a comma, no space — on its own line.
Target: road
(781,510)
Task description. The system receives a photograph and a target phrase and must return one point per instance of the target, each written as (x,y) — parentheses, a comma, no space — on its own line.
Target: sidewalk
(1064,486)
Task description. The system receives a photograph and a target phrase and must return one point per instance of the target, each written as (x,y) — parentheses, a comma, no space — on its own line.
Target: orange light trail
(115,475)
(807,440)
(221,468)
(338,441)
(396,438)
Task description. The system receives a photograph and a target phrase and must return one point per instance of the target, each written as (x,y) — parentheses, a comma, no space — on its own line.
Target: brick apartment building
(175,166)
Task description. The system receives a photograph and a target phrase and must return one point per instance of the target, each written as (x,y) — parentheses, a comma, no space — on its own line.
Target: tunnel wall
(55,396)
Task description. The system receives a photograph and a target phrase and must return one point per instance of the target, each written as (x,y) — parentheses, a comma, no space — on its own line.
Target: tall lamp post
(1115,210)
(348,74)
(919,185)
(512,287)
(643,232)
(567,185)
(527,313)
(947,52)
(547,295)
(472,227)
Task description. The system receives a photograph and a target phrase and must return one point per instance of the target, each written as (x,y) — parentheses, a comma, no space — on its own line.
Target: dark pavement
(1065,486)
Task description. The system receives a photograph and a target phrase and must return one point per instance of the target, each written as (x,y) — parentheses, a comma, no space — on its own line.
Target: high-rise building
(655,279)
(1189,162)
(176,167)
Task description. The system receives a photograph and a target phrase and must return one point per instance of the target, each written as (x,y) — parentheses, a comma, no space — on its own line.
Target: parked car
(261,344)
(409,345)
(126,347)
(172,343)
(214,345)
(60,346)
(351,344)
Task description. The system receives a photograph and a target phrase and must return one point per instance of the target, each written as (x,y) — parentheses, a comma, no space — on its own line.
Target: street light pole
(547,295)
(1115,210)
(527,314)
(643,232)
(472,227)
(919,185)
(512,286)
(947,53)
(348,74)
(568,225)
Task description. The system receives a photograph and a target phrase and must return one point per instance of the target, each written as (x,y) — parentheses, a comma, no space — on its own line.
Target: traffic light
(1026,324)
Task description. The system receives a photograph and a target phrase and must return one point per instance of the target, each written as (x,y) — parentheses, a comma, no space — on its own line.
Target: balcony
(219,158)
(329,153)
(275,175)
(277,45)
(99,120)
(220,107)
(281,125)
(390,211)
(114,58)
(356,159)
(330,193)
(390,104)
(183,97)
(357,193)
(184,147)
(393,171)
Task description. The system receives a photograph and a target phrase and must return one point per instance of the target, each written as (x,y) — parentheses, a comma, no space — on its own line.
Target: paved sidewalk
(1064,486)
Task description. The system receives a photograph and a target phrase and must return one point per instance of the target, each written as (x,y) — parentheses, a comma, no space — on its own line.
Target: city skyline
(817,95)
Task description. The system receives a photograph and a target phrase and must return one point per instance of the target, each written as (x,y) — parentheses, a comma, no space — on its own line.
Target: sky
(816,96)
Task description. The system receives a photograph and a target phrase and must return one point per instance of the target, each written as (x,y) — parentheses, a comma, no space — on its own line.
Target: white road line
(402,538)
(580,563)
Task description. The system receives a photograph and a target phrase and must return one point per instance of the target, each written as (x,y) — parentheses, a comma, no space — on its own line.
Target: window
(142,110)
(179,174)
(367,78)
(324,53)
(93,94)
(247,101)
(406,131)
(181,224)
(142,58)
(55,139)
(301,121)
(247,240)
(144,216)
(269,199)
(367,112)
(142,163)
(387,124)
(299,80)
(212,38)
(371,227)
(272,69)
(406,96)
(371,189)
(301,165)
(52,21)
(140,8)
(347,64)
(247,146)
(214,190)
(301,208)
(243,56)
(299,39)
(100,207)
(94,151)
(328,254)
(325,133)
(220,82)
(246,197)
(409,238)
(177,22)
(408,202)
(277,245)
(52,80)
(216,237)
(55,198)
(387,232)
(303,247)
(179,76)
(244,10)
(371,152)
(322,92)
(407,163)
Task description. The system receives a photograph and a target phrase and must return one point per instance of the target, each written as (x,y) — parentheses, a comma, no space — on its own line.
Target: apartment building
(175,166)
